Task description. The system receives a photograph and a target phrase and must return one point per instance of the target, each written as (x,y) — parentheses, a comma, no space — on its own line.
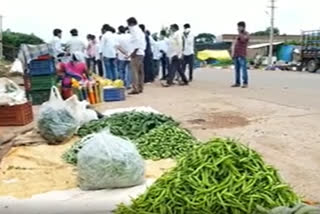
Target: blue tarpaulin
(286,53)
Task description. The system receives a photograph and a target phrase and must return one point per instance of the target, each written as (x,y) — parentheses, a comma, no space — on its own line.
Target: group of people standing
(132,54)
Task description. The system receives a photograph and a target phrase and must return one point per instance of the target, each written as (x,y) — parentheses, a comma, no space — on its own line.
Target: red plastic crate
(17,115)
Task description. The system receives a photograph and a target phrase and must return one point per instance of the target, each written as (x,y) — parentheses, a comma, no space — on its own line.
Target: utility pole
(1,47)
(272,7)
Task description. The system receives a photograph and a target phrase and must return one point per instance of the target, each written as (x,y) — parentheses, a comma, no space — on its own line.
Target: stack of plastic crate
(38,80)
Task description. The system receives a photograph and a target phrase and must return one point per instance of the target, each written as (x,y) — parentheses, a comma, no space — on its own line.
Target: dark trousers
(91,64)
(148,68)
(156,67)
(100,67)
(176,66)
(188,60)
(111,68)
(241,68)
(165,66)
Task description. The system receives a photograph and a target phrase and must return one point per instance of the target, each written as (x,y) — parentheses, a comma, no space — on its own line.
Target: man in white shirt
(163,46)
(76,45)
(108,50)
(188,50)
(138,46)
(175,56)
(56,43)
(156,55)
(123,60)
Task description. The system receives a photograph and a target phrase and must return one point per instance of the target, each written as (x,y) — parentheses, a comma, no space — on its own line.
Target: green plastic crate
(37,97)
(40,82)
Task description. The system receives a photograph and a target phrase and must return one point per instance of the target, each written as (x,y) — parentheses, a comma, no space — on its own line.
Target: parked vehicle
(310,50)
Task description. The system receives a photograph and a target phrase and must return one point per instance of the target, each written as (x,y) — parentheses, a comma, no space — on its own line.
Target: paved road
(294,89)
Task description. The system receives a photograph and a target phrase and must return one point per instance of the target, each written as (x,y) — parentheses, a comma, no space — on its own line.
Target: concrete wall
(261,39)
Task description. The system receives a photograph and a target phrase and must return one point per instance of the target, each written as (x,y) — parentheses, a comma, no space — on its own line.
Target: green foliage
(293,42)
(16,39)
(13,40)
(267,32)
(205,38)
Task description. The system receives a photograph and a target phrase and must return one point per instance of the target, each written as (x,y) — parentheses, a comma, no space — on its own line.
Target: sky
(212,16)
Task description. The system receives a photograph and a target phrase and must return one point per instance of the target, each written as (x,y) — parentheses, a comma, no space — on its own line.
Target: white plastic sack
(56,122)
(11,93)
(145,109)
(17,66)
(80,111)
(107,161)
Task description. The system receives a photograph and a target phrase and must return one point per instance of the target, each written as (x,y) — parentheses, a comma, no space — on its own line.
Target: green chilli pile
(166,141)
(130,125)
(219,177)
(70,156)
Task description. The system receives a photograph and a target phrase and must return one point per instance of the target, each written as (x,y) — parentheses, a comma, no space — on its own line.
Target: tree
(266,32)
(205,38)
(16,39)
(13,40)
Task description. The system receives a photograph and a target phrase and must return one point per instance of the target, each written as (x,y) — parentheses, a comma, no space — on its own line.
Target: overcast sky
(214,16)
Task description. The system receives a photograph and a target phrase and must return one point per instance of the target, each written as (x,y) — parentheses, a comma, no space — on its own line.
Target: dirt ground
(287,137)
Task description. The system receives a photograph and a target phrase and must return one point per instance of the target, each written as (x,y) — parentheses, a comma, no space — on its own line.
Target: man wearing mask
(138,47)
(175,56)
(239,54)
(188,50)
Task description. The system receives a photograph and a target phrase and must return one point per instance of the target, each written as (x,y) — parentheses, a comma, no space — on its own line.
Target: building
(260,39)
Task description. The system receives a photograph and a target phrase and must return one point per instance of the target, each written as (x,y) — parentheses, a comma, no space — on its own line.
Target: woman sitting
(74,69)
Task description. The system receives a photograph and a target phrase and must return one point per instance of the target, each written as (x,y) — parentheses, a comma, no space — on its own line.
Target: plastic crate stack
(38,80)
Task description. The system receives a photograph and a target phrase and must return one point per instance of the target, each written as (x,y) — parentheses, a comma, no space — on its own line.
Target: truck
(310,50)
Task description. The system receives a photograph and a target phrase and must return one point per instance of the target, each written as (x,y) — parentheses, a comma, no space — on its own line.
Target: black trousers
(188,60)
(164,65)
(100,67)
(176,66)
(91,64)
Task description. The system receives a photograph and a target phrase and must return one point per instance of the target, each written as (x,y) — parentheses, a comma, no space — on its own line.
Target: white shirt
(76,45)
(188,44)
(138,40)
(124,43)
(156,50)
(56,45)
(175,45)
(108,46)
(163,45)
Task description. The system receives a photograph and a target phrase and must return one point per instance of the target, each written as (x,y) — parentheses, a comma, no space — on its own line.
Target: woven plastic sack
(107,161)
(56,121)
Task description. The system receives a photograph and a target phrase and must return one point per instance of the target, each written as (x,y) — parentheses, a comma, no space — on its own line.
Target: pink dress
(71,70)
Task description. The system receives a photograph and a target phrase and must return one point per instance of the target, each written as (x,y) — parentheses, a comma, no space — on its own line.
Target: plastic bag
(11,93)
(80,111)
(56,122)
(107,161)
(17,66)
